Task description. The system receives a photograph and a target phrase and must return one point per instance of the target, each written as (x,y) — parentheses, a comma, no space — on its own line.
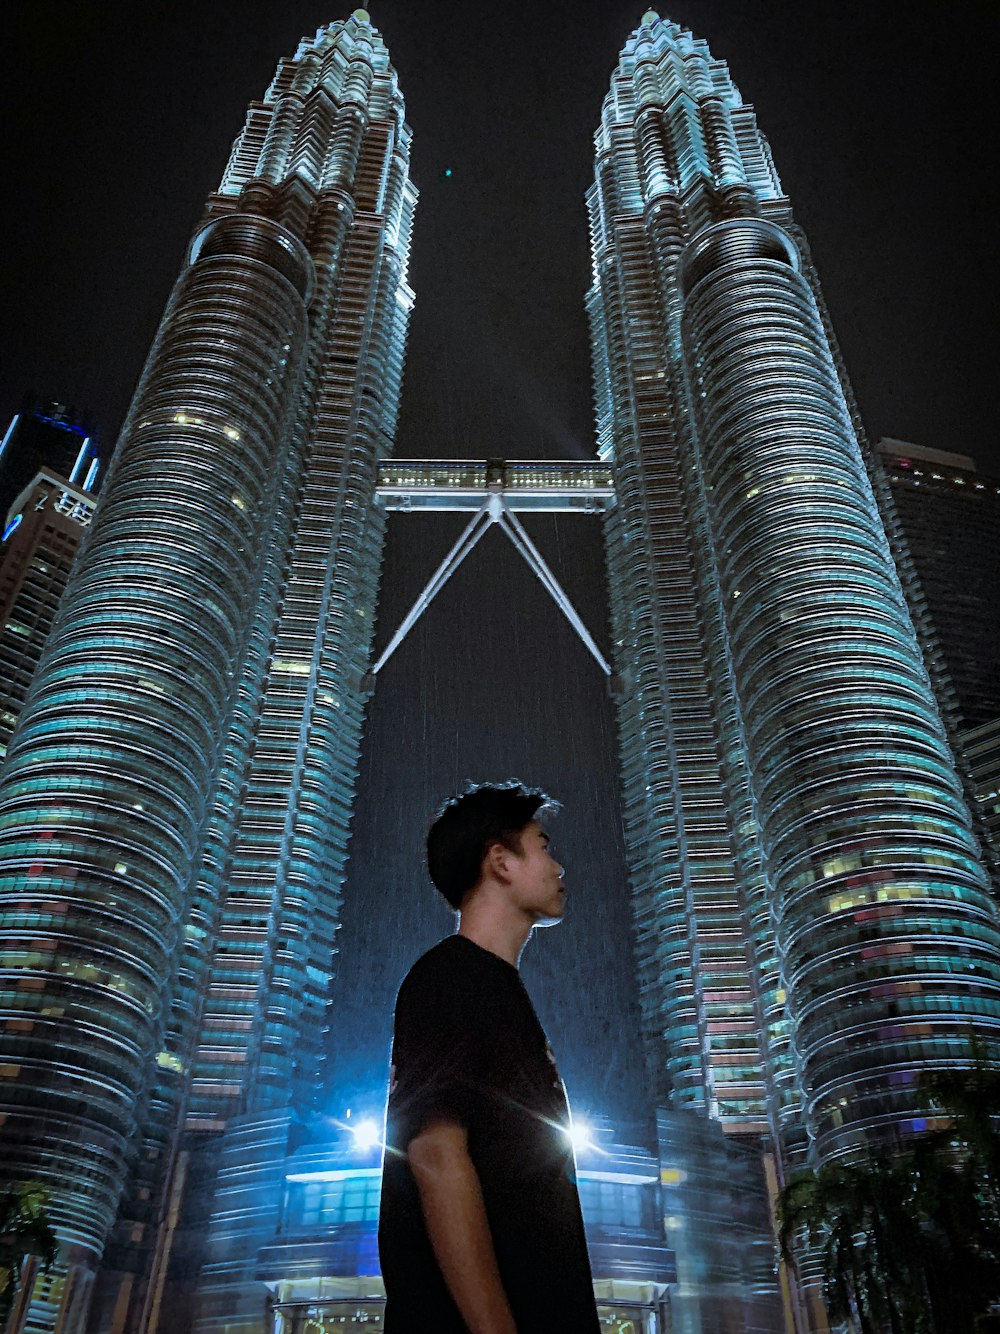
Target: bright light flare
(366,1135)
(581,1135)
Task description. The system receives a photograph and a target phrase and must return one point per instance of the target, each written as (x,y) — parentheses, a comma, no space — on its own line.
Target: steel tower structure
(812,915)
(175,803)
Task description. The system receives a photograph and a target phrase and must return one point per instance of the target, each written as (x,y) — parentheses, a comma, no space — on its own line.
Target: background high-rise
(37,552)
(46,435)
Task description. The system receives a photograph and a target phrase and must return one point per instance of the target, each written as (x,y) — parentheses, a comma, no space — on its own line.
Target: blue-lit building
(718,1217)
(811,909)
(51,436)
(679,1231)
(175,800)
(947,519)
(45,525)
(295,1242)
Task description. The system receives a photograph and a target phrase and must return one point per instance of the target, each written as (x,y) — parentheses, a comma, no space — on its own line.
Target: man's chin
(551,919)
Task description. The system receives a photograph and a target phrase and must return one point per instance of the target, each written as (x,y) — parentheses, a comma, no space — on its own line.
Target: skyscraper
(45,527)
(46,435)
(981,748)
(949,514)
(175,802)
(812,915)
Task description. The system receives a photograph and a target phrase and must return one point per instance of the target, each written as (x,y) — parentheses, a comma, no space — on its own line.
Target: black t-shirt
(468,1047)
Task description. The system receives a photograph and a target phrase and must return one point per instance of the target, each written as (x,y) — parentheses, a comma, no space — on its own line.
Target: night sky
(118,118)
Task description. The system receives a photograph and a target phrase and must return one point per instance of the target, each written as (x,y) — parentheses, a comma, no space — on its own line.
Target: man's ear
(496,861)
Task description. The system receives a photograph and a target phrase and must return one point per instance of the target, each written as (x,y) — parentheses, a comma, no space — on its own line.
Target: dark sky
(118,119)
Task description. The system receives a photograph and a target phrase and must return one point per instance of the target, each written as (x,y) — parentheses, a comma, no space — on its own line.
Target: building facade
(949,519)
(42,534)
(945,519)
(296,1241)
(811,909)
(981,750)
(50,436)
(679,1232)
(175,800)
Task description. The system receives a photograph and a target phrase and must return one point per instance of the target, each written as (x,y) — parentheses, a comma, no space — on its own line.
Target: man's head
(487,816)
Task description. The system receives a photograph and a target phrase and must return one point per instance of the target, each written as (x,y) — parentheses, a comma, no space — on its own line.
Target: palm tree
(910,1243)
(24,1230)
(959,1171)
(971,1097)
(959,1241)
(853,1220)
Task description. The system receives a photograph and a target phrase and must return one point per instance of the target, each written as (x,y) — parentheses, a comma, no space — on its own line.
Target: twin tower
(814,929)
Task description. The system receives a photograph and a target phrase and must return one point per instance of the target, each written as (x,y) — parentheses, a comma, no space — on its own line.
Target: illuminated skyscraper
(948,519)
(949,514)
(42,533)
(175,803)
(46,435)
(811,910)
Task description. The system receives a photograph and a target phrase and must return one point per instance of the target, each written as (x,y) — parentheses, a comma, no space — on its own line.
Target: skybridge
(494,491)
(552,486)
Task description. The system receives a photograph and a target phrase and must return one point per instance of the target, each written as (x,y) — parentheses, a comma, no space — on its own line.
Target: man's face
(536,877)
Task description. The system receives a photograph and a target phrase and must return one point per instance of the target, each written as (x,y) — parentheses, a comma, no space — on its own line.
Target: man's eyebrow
(545,835)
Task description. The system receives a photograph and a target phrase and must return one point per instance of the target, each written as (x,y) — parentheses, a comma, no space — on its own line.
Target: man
(480,1229)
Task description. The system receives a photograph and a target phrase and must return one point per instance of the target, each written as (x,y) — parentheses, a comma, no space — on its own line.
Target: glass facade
(714,1009)
(790,791)
(981,746)
(949,518)
(293,1239)
(716,1194)
(108,775)
(50,436)
(174,808)
(558,484)
(36,556)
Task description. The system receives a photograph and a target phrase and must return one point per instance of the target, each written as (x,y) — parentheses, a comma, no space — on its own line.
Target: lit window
(166,1060)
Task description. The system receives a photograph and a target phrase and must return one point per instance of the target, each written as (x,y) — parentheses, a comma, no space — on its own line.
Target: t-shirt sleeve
(441,1053)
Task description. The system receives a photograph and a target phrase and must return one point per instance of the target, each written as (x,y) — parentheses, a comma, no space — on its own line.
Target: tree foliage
(909,1243)
(24,1230)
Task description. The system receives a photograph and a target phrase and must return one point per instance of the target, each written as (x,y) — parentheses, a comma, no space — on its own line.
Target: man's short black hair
(466,826)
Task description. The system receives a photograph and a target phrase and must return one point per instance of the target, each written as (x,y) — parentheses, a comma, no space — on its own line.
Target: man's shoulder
(455,963)
(447,958)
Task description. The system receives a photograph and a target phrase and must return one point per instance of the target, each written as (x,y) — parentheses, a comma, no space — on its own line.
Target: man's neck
(503,934)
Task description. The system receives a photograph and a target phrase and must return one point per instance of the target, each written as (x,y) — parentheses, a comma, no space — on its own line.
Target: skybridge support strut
(514,529)
(474,529)
(493,509)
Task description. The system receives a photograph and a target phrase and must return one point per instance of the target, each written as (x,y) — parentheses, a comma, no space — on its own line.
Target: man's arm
(452,1201)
